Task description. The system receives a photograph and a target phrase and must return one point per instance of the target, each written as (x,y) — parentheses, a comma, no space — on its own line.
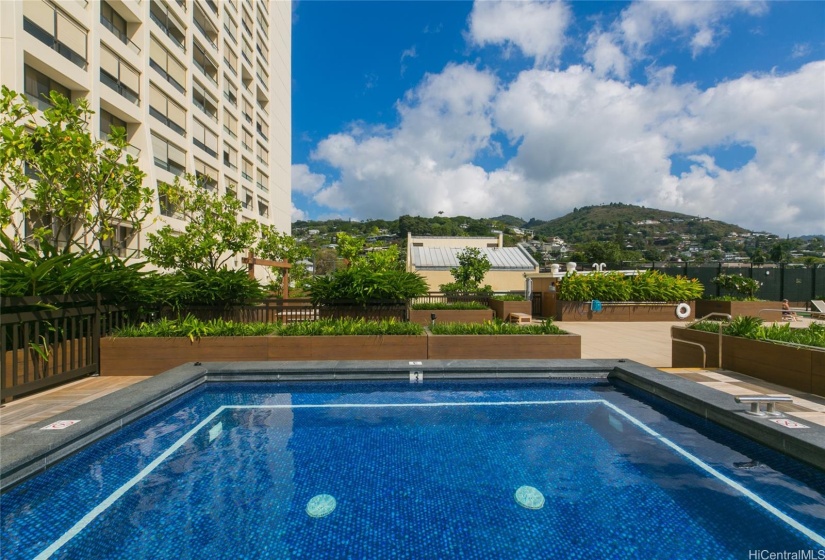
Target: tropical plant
(509,297)
(341,327)
(215,288)
(213,234)
(754,328)
(362,285)
(60,186)
(614,286)
(743,288)
(456,305)
(279,246)
(496,326)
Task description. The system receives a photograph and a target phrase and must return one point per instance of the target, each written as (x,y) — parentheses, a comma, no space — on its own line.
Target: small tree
(743,287)
(470,272)
(279,246)
(60,186)
(213,233)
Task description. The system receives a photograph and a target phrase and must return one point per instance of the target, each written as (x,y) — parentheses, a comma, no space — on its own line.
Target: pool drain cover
(321,505)
(530,498)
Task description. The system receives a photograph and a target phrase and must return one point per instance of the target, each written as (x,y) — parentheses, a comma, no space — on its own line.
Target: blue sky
(533,108)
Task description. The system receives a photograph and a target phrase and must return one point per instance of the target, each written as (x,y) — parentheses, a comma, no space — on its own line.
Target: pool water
(387,470)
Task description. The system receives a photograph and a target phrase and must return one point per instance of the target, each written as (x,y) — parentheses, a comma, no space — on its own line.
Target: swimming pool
(432,470)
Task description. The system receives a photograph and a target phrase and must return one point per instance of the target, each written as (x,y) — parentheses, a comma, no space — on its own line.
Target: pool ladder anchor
(768,400)
(416,376)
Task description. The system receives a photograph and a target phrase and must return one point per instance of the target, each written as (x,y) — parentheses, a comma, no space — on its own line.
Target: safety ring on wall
(683,311)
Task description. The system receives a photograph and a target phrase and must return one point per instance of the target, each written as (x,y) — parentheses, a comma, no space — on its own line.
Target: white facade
(201,86)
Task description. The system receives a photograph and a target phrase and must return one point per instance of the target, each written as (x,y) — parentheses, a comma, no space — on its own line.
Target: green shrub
(194,328)
(651,285)
(216,288)
(339,327)
(509,297)
(753,328)
(495,327)
(361,285)
(455,305)
(742,288)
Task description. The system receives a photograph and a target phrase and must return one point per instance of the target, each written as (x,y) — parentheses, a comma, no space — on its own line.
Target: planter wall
(690,355)
(796,368)
(422,316)
(580,311)
(504,347)
(503,309)
(737,308)
(151,356)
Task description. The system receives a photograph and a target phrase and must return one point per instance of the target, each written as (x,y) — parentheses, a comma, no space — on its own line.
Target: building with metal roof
(433,257)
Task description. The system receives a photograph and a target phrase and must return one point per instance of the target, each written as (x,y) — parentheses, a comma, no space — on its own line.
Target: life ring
(682,311)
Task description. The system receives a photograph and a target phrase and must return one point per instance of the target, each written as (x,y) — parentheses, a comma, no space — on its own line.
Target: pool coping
(31,450)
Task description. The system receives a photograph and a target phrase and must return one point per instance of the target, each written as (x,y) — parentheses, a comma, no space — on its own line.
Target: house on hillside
(432,257)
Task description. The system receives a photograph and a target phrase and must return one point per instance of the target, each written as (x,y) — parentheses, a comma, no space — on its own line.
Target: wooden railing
(47,340)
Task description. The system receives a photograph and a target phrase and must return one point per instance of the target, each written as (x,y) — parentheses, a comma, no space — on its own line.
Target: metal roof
(444,258)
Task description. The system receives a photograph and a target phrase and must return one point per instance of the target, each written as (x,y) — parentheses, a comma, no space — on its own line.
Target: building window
(119,76)
(206,176)
(205,64)
(38,87)
(115,23)
(168,156)
(171,27)
(204,138)
(204,102)
(166,111)
(53,28)
(107,121)
(167,65)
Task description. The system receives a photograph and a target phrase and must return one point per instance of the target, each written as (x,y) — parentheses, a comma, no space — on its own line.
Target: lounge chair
(817,309)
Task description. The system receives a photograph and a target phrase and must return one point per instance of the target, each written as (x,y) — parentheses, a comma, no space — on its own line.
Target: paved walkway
(646,343)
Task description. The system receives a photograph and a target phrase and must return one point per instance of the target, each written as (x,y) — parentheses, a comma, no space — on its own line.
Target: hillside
(599,223)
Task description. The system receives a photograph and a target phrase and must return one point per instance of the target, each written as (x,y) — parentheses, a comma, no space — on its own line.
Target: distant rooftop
(444,258)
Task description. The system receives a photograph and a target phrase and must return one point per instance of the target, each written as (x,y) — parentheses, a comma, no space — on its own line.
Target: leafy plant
(496,326)
(473,265)
(213,233)
(614,286)
(58,185)
(753,328)
(509,297)
(218,288)
(279,246)
(457,305)
(361,285)
(742,287)
(744,326)
(340,327)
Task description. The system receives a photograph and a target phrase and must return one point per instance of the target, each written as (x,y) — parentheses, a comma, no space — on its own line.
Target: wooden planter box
(737,308)
(422,316)
(796,368)
(503,309)
(504,347)
(151,356)
(580,311)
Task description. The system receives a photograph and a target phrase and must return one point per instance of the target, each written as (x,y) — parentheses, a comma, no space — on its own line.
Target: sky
(530,108)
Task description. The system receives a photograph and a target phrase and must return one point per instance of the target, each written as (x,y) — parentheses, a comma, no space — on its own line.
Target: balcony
(167,121)
(205,65)
(212,6)
(119,34)
(119,87)
(262,187)
(165,22)
(54,42)
(171,166)
(205,103)
(261,132)
(166,76)
(231,98)
(204,147)
(206,28)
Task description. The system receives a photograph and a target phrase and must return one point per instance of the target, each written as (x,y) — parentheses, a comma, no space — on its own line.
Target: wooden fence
(47,340)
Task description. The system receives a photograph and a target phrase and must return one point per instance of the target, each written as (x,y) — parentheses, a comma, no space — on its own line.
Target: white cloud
(535,27)
(583,139)
(606,55)
(298,214)
(702,21)
(305,181)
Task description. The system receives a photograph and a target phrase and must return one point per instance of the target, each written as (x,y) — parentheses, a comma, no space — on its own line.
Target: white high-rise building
(201,86)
